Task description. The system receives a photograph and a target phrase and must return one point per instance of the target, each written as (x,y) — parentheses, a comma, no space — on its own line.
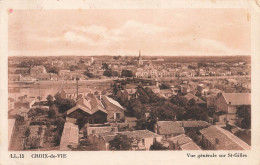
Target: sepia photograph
(129,79)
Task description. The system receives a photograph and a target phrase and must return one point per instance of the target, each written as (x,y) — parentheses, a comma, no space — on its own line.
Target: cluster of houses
(99,118)
(140,69)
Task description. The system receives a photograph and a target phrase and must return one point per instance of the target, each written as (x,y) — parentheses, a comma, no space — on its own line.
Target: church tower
(140,60)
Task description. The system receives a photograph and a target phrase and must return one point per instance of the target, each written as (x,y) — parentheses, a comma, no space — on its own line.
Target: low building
(14,77)
(227,105)
(69,137)
(166,93)
(182,142)
(142,139)
(115,112)
(88,111)
(168,129)
(72,93)
(217,138)
(198,101)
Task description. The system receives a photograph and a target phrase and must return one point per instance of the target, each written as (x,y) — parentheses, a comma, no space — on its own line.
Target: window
(142,141)
(116,115)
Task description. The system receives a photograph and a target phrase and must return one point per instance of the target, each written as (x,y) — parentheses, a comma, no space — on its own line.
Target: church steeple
(140,61)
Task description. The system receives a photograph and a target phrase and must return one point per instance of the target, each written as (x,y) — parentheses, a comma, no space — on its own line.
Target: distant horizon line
(143,55)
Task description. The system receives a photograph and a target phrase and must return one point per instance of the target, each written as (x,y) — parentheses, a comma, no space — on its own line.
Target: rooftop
(112,101)
(69,135)
(139,134)
(223,139)
(169,127)
(237,98)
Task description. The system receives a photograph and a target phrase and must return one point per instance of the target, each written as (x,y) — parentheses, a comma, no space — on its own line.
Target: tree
(49,99)
(165,86)
(73,68)
(59,122)
(134,107)
(192,102)
(63,104)
(104,66)
(120,142)
(179,101)
(196,113)
(27,133)
(245,113)
(108,73)
(157,146)
(126,73)
(51,113)
(88,74)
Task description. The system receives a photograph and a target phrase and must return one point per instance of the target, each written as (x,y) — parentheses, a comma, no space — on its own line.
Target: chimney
(77,79)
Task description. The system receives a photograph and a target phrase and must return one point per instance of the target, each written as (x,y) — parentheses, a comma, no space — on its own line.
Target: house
(14,77)
(37,70)
(227,105)
(166,93)
(69,137)
(101,141)
(88,111)
(72,93)
(28,102)
(100,136)
(64,72)
(115,112)
(142,139)
(182,142)
(198,101)
(217,138)
(98,130)
(22,111)
(193,124)
(211,101)
(46,76)
(168,129)
(131,121)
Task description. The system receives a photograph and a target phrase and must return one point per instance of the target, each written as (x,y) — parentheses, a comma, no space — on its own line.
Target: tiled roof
(223,139)
(190,146)
(139,134)
(101,129)
(169,127)
(89,106)
(181,139)
(186,124)
(112,101)
(237,98)
(191,96)
(106,133)
(184,142)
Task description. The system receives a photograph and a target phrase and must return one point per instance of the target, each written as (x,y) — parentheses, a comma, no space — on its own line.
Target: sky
(154,32)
